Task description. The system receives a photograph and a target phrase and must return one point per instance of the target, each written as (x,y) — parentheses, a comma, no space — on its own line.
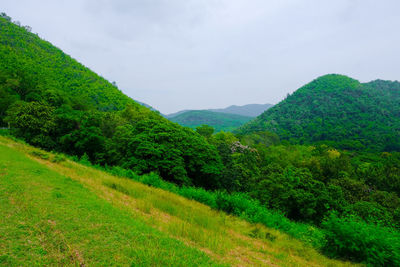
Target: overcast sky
(196,54)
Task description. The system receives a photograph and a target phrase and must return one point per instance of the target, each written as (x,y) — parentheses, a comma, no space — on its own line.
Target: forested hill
(219,121)
(52,101)
(223,119)
(34,67)
(347,202)
(337,110)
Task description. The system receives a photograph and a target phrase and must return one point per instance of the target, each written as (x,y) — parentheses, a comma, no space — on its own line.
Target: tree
(205,130)
(33,121)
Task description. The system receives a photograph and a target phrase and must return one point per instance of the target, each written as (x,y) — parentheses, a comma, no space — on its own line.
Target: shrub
(236,203)
(40,154)
(199,194)
(358,241)
(58,158)
(345,238)
(84,160)
(154,180)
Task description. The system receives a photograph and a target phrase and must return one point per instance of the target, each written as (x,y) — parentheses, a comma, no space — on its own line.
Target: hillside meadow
(59,212)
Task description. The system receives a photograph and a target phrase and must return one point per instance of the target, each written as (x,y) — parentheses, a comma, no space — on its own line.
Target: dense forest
(52,101)
(339,111)
(327,156)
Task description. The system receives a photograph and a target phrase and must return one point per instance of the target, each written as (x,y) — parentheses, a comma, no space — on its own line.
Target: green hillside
(52,101)
(336,108)
(219,121)
(34,68)
(344,204)
(60,213)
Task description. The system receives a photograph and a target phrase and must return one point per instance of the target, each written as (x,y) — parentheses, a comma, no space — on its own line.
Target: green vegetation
(286,170)
(58,212)
(339,111)
(220,121)
(250,110)
(51,219)
(53,102)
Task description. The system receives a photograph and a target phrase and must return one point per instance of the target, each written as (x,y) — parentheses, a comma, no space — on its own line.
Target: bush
(5,132)
(154,180)
(121,172)
(242,205)
(40,154)
(58,158)
(345,238)
(199,194)
(84,160)
(236,203)
(358,241)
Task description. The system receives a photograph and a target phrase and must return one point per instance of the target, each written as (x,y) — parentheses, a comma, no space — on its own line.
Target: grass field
(58,212)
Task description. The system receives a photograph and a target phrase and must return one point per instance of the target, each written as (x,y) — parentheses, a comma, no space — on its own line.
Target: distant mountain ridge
(147,106)
(249,110)
(222,119)
(218,120)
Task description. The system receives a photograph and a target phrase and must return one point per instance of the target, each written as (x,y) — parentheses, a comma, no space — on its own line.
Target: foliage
(48,218)
(358,241)
(139,225)
(52,101)
(205,130)
(339,111)
(32,121)
(286,165)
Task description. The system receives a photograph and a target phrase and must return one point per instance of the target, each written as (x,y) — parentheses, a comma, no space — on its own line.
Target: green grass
(50,219)
(59,212)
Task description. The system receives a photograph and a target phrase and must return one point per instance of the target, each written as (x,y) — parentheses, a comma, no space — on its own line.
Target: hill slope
(33,67)
(337,109)
(52,101)
(58,212)
(219,121)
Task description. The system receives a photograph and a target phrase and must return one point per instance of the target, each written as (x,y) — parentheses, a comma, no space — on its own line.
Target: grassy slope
(51,219)
(220,121)
(69,214)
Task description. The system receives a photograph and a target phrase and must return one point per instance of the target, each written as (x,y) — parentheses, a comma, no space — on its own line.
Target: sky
(198,54)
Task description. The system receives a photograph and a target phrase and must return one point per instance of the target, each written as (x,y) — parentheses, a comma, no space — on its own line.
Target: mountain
(224,119)
(344,204)
(250,110)
(337,110)
(32,67)
(147,106)
(56,212)
(219,121)
(171,115)
(52,101)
